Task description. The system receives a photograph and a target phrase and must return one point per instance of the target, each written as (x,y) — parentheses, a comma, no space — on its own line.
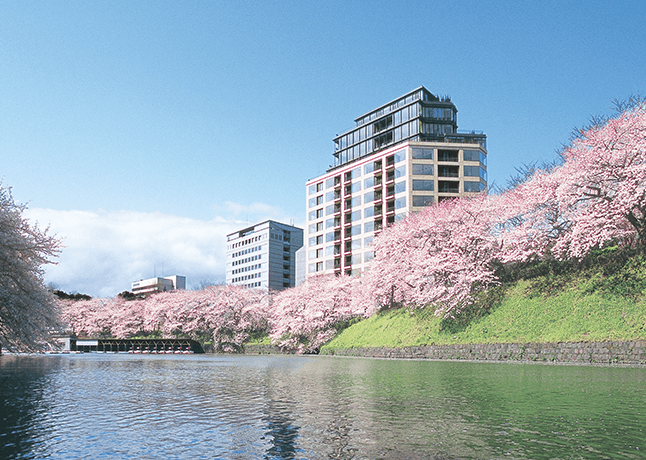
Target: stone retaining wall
(633,353)
(262,350)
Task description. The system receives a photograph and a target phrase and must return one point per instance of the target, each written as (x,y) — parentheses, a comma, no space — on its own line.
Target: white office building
(263,256)
(158,284)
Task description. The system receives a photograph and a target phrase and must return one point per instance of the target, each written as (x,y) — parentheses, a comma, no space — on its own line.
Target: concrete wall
(563,352)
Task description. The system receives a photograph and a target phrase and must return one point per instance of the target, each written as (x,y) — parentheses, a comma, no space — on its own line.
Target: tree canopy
(27,309)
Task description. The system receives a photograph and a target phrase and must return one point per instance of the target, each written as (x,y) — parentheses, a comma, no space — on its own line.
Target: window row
(401,133)
(246,269)
(367,131)
(246,242)
(246,277)
(246,251)
(335,264)
(418,169)
(247,259)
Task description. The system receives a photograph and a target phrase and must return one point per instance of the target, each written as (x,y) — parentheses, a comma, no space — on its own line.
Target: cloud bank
(105,251)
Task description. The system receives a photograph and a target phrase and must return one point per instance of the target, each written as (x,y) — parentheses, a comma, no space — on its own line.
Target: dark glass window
(448,186)
(473,187)
(423,185)
(447,155)
(421,200)
(422,154)
(472,155)
(422,169)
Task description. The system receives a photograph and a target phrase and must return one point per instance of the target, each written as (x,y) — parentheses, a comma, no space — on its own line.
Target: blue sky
(144,132)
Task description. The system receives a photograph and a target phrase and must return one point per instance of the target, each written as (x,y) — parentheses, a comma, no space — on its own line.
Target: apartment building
(158,284)
(263,256)
(399,158)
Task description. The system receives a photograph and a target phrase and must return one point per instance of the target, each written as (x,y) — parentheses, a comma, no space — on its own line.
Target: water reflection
(278,407)
(23,382)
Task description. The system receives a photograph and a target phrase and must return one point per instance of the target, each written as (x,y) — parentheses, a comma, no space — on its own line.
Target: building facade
(263,256)
(399,158)
(158,284)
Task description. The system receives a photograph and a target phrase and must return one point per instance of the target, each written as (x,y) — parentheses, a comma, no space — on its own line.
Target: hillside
(600,298)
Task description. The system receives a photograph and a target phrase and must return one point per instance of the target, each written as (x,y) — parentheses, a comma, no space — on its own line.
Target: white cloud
(254,212)
(105,251)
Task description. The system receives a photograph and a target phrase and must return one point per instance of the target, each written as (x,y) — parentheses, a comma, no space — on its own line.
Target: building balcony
(448,187)
(448,171)
(447,155)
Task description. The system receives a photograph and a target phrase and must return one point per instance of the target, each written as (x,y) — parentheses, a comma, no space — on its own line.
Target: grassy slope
(604,302)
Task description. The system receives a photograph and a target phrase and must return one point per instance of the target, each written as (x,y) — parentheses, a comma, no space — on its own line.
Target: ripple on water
(124,406)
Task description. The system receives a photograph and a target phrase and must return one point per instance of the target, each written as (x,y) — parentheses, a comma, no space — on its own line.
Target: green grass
(601,299)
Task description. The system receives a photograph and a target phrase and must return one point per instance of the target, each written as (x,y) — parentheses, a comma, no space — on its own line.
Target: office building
(263,256)
(399,158)
(158,284)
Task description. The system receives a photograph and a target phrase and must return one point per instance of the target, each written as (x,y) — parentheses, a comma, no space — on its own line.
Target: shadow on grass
(485,303)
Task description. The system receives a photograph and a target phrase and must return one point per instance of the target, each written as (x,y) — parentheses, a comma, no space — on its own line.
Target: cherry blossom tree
(604,185)
(88,318)
(27,309)
(441,257)
(305,317)
(227,314)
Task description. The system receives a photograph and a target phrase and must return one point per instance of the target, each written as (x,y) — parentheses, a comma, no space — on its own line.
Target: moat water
(103,406)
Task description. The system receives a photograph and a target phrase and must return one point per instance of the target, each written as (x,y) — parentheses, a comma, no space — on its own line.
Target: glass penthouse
(399,158)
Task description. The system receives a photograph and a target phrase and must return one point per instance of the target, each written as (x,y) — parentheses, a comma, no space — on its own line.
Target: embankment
(619,352)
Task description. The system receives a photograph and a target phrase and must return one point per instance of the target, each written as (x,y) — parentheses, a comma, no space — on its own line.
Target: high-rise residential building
(399,158)
(158,284)
(263,256)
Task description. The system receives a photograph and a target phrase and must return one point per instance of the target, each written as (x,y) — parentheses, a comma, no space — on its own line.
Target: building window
(422,200)
(447,155)
(448,171)
(400,172)
(448,187)
(400,156)
(423,185)
(420,169)
(473,186)
(422,154)
(471,155)
(315,188)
